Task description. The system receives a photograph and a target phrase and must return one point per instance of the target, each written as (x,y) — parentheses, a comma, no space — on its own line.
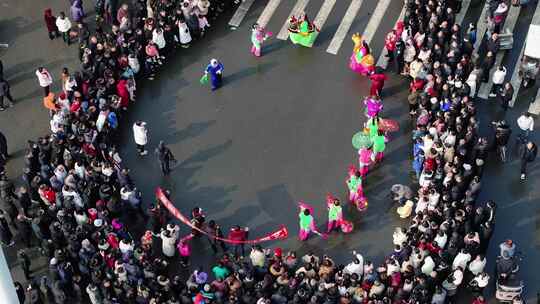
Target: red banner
(280,234)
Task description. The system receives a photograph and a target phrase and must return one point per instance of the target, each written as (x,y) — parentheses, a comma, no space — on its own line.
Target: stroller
(509,287)
(401,193)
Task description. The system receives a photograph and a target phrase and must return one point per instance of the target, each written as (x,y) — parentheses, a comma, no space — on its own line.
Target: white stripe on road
(516,80)
(297,10)
(240,13)
(464,8)
(481,27)
(375,20)
(323,14)
(509,25)
(344,27)
(383,60)
(268,12)
(534,107)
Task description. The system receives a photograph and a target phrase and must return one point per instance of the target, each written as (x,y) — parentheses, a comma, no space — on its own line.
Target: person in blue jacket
(214,70)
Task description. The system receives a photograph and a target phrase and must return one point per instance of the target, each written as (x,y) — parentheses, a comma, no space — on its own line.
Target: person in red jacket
(123,93)
(238,234)
(377,83)
(50,22)
(479,300)
(390,44)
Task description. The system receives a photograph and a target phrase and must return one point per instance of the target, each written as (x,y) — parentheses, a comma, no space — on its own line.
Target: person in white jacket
(526,124)
(498,79)
(461,259)
(183,33)
(64,25)
(356,266)
(158,38)
(140,134)
(45,80)
(477,265)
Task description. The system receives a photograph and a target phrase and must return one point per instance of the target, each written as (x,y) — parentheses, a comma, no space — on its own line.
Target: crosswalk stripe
(509,25)
(268,12)
(383,60)
(344,27)
(375,20)
(516,80)
(534,107)
(298,9)
(481,28)
(323,14)
(240,13)
(464,8)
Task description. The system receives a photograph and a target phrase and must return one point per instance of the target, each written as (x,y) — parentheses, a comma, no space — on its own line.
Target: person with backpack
(528,156)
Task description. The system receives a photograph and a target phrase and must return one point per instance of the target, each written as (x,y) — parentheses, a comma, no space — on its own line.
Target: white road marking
(268,12)
(375,20)
(240,13)
(344,27)
(323,14)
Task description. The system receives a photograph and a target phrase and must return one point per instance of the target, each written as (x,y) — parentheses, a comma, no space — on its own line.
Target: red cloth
(121,90)
(430,164)
(50,20)
(479,301)
(390,42)
(113,240)
(75,106)
(237,234)
(417,84)
(377,83)
(50,195)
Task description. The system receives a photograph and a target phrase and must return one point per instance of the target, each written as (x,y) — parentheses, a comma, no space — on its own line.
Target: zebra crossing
(340,34)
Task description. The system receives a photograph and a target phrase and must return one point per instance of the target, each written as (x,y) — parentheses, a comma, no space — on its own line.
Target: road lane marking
(240,13)
(344,27)
(323,14)
(375,20)
(464,8)
(268,12)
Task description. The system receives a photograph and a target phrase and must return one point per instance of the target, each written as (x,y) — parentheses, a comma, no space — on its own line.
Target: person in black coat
(5,231)
(528,155)
(505,96)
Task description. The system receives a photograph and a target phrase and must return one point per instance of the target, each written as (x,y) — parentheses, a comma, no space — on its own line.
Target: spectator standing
(50,22)
(64,26)
(140,134)
(165,157)
(77,11)
(525,123)
(528,156)
(238,234)
(498,80)
(4,92)
(45,80)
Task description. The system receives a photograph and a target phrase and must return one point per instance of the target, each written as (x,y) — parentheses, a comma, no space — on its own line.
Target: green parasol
(361,140)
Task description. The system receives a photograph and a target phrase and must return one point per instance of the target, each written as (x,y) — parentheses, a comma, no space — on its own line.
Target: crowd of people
(77,192)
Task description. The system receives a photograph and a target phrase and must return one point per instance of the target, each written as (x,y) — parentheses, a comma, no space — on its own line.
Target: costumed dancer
(364,159)
(302,31)
(335,215)
(215,71)
(373,106)
(356,193)
(258,36)
(361,60)
(377,82)
(307,222)
(379,144)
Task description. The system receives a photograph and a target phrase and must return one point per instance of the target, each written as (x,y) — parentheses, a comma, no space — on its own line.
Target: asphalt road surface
(277,132)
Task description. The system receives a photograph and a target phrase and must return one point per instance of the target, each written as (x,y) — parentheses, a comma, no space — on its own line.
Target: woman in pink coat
(364,159)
